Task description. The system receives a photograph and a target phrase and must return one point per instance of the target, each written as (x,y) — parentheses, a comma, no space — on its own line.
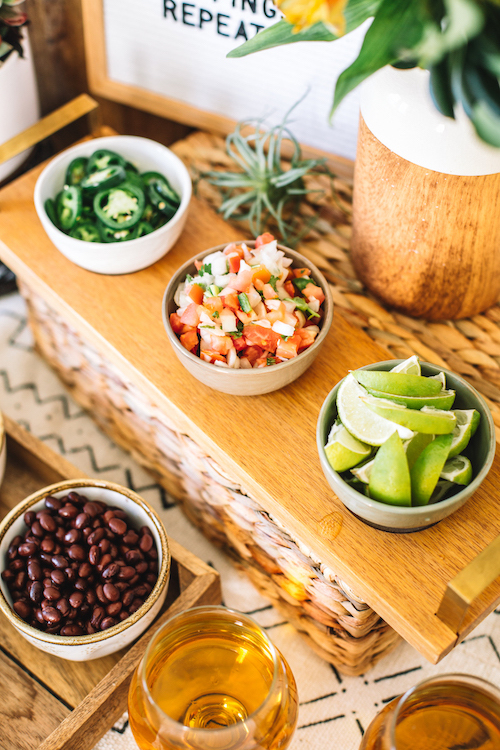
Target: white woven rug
(334,709)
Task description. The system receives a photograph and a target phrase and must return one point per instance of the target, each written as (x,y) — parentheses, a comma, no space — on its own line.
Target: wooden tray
(266,445)
(51,703)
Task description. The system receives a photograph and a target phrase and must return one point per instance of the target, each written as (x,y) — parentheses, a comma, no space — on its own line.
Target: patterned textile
(334,710)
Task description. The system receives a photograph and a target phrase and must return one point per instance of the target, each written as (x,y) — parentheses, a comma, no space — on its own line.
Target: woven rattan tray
(247,470)
(55,704)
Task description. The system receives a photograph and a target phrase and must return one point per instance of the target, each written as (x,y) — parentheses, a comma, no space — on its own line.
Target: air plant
(266,192)
(11,21)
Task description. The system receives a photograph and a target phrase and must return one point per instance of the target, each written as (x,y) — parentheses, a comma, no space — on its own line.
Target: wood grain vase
(425,242)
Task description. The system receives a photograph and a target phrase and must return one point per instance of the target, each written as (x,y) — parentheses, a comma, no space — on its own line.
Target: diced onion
(314,304)
(263,322)
(253,296)
(245,363)
(273,304)
(301,319)
(289,306)
(283,329)
(232,359)
(228,320)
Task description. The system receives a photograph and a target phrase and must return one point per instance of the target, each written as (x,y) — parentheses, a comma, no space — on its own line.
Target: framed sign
(169,57)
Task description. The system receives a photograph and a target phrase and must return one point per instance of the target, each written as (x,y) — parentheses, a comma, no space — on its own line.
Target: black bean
(52,503)
(52,615)
(47,523)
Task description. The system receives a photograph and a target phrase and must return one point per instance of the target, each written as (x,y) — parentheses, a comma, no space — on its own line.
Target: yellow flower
(303,13)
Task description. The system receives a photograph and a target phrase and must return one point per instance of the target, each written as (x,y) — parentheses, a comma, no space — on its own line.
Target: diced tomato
(239,343)
(196,292)
(185,329)
(262,273)
(189,340)
(307,337)
(269,292)
(252,353)
(231,301)
(262,361)
(259,336)
(221,344)
(314,291)
(242,281)
(263,239)
(233,248)
(246,317)
(288,349)
(234,262)
(290,289)
(300,272)
(258,284)
(191,315)
(213,304)
(176,323)
(198,264)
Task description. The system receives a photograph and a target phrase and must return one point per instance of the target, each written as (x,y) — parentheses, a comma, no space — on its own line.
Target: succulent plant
(11,21)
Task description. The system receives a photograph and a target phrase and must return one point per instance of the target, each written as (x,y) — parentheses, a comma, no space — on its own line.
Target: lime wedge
(458,470)
(427,469)
(441,490)
(390,476)
(410,366)
(428,420)
(415,446)
(361,422)
(467,424)
(362,473)
(441,377)
(343,450)
(444,399)
(397,383)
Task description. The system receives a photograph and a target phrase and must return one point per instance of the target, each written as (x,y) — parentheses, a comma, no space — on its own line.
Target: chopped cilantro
(189,278)
(285,338)
(206,326)
(272,281)
(270,361)
(215,314)
(207,268)
(239,333)
(302,282)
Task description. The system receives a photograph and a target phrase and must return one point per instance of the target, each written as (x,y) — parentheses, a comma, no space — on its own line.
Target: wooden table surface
(267,443)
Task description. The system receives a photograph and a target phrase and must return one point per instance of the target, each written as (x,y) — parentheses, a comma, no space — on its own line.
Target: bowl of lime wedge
(404,443)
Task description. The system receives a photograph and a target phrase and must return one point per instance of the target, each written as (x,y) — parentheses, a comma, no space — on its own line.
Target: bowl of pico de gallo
(249,317)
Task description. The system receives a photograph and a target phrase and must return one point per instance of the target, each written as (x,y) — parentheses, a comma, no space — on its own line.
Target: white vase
(20,103)
(426,234)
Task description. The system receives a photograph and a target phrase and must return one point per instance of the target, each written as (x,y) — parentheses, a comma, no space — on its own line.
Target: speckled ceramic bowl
(84,647)
(481,451)
(257,381)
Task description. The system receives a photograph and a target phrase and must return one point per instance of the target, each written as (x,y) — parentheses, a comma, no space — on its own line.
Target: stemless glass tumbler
(447,712)
(212,680)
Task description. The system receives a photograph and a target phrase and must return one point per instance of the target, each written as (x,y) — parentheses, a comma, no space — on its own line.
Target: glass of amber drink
(447,712)
(212,680)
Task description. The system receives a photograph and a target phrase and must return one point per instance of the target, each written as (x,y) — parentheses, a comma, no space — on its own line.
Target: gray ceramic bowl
(481,451)
(246,382)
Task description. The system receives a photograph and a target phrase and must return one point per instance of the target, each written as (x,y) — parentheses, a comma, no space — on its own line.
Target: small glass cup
(443,712)
(212,680)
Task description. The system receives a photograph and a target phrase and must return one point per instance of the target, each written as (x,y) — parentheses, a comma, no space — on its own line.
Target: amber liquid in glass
(212,681)
(461,718)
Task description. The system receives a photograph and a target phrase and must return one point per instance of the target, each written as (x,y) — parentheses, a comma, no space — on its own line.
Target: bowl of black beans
(84,568)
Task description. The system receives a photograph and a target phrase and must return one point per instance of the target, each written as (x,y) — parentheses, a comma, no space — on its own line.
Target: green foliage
(263,193)
(11,21)
(458,41)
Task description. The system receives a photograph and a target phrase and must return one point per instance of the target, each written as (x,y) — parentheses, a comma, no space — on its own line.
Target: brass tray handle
(467,585)
(48,125)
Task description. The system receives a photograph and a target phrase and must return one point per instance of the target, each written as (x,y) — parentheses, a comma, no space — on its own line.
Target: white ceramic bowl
(84,647)
(117,257)
(257,381)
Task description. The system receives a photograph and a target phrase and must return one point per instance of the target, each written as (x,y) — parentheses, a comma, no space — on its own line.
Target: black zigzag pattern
(166,501)
(78,449)
(21,327)
(60,397)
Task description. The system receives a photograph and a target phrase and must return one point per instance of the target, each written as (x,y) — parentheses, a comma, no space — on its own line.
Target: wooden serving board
(51,703)
(266,443)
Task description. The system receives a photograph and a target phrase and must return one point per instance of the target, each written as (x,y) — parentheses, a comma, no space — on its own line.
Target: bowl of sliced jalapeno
(114,205)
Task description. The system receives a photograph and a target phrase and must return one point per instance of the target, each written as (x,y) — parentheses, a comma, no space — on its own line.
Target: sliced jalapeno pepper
(120,207)
(162,187)
(76,171)
(50,210)
(68,206)
(103,158)
(116,235)
(143,227)
(85,231)
(134,178)
(103,179)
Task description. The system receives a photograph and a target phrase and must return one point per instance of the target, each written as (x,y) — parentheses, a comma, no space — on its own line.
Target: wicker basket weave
(337,624)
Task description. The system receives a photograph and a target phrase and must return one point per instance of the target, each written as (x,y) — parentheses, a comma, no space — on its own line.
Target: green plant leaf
(463,20)
(282,33)
(397,28)
(358,11)
(440,88)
